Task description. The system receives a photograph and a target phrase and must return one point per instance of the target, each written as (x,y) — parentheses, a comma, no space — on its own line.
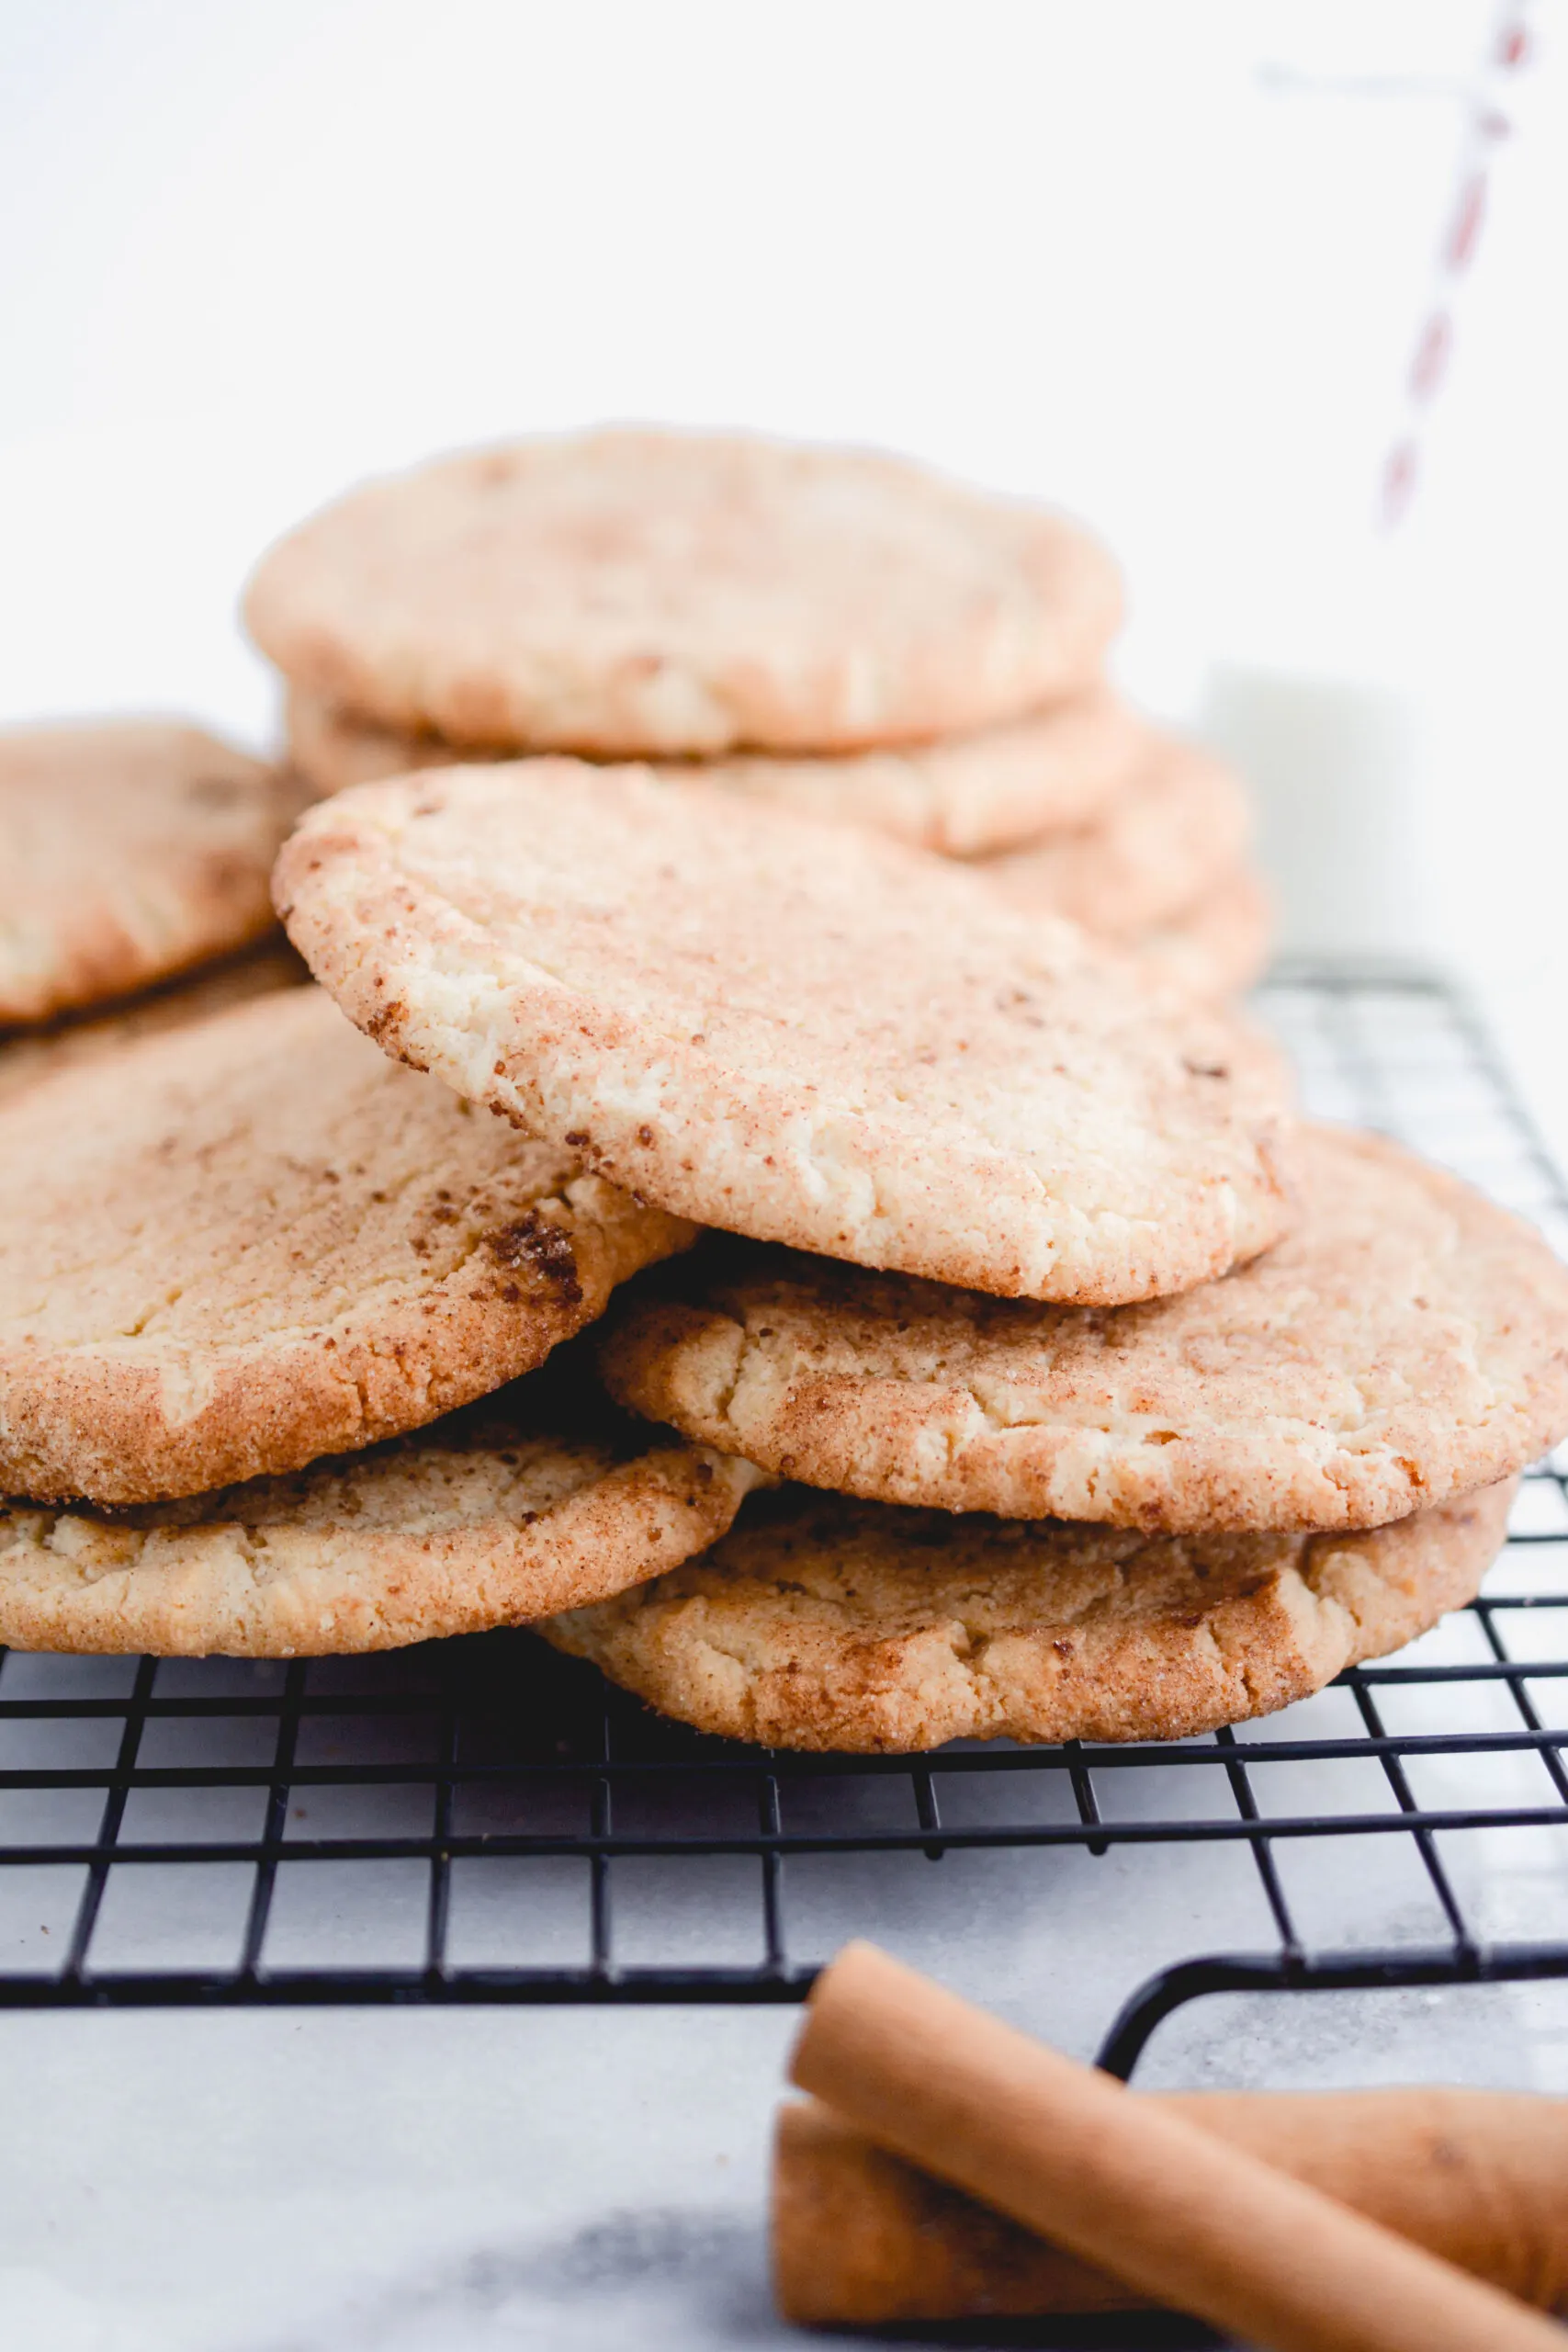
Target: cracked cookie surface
(1408,1341)
(232,1248)
(792,1029)
(819,1622)
(636,593)
(494,1515)
(134,849)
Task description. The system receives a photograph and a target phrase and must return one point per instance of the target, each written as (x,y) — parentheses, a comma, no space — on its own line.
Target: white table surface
(316,2181)
(410,2181)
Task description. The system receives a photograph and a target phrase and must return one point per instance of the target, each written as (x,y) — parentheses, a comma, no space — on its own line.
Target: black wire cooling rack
(482,1821)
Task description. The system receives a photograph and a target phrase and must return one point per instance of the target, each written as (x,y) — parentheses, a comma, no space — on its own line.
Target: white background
(1163,263)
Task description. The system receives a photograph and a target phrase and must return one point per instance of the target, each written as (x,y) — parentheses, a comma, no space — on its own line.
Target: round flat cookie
(963,796)
(230,1250)
(493,1516)
(1218,946)
(1176,831)
(629,592)
(133,850)
(819,1622)
(1407,1342)
(27,1054)
(792,1030)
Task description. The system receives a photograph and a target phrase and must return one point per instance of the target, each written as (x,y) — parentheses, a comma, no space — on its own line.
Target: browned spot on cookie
(385,1019)
(537,1244)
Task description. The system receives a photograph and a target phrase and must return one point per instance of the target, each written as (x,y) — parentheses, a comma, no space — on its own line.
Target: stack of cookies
(133,886)
(1105,1401)
(282,1315)
(979,1345)
(267,1304)
(827,631)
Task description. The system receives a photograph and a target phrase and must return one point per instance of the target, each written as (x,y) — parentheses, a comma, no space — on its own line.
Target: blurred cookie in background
(962,795)
(1181,825)
(134,849)
(38,1050)
(1218,946)
(638,594)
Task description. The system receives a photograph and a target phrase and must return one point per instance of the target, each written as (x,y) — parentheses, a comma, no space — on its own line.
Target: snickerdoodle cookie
(42,1048)
(962,795)
(1406,1342)
(636,593)
(792,1029)
(1174,832)
(231,1248)
(1218,946)
(497,1514)
(819,1622)
(133,849)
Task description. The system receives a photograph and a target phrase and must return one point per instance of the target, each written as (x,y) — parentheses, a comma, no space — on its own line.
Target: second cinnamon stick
(1182,2215)
(863,2239)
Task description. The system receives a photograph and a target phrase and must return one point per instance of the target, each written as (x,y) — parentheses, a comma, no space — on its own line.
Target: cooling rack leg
(1360,1971)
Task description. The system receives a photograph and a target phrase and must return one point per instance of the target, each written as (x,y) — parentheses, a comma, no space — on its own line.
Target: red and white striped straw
(1489,123)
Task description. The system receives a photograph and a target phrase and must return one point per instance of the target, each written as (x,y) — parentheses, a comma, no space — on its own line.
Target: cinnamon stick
(862,2239)
(1184,2216)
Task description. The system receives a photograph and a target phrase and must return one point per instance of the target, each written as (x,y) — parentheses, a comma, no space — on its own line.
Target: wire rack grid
(482,1821)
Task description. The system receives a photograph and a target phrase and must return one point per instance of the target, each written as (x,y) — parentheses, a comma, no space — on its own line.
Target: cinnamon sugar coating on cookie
(633,593)
(1181,823)
(229,1250)
(1407,1342)
(44,1048)
(962,795)
(493,1516)
(134,849)
(792,1029)
(823,1624)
